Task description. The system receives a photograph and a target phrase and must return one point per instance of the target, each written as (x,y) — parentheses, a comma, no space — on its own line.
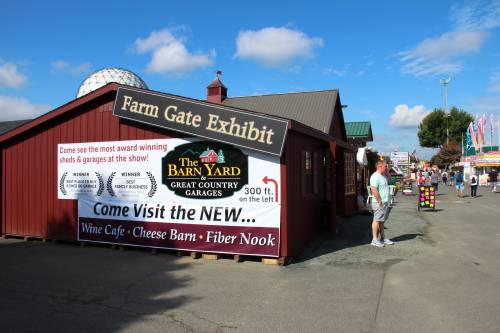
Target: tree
(220,157)
(448,154)
(432,129)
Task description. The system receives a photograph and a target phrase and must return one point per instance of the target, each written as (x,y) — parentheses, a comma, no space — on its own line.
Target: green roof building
(359,133)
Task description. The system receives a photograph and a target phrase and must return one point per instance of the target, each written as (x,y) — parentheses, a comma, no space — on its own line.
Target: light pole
(444,82)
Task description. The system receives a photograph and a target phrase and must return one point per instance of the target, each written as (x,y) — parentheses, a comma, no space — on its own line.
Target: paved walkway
(453,284)
(441,276)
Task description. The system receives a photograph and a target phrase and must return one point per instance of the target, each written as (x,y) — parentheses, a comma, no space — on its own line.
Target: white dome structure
(106,75)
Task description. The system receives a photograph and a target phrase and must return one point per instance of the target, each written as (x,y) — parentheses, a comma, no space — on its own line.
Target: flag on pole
(479,132)
(484,129)
(477,128)
(414,154)
(468,138)
(482,123)
(473,136)
(462,143)
(492,120)
(498,125)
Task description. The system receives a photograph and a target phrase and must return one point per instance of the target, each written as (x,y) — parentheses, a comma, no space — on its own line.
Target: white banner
(170,212)
(400,157)
(172,170)
(184,194)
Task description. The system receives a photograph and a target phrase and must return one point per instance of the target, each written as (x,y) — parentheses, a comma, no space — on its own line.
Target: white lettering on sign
(247,130)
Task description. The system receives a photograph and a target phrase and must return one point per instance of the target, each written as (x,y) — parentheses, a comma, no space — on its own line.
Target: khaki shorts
(380,214)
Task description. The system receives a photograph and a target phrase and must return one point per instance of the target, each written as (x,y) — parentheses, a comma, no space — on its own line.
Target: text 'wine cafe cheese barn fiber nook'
(120,164)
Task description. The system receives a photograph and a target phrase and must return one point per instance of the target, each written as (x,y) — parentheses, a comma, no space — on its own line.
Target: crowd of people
(427,177)
(434,176)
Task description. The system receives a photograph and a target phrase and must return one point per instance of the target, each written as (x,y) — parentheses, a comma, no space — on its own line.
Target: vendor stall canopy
(104,76)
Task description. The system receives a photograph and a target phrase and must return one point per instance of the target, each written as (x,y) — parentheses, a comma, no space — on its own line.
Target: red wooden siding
(302,216)
(29,170)
(29,174)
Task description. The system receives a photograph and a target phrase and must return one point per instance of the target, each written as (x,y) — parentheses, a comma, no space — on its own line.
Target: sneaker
(387,241)
(377,243)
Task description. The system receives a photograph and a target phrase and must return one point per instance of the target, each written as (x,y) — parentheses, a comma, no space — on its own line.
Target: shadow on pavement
(352,231)
(66,288)
(406,237)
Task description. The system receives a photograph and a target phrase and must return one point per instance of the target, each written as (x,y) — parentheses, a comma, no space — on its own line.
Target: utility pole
(444,82)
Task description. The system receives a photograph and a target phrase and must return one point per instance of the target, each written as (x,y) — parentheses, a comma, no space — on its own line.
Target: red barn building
(317,164)
(209,156)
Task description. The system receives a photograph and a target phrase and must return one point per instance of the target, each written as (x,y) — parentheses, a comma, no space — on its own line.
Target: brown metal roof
(314,109)
(6,126)
(112,88)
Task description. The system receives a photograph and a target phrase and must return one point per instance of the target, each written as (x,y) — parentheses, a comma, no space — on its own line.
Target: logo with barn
(205,170)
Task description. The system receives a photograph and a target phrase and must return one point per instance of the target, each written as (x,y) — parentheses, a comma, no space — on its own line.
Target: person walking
(380,206)
(459,181)
(473,185)
(493,179)
(435,180)
(444,176)
(452,177)
(420,179)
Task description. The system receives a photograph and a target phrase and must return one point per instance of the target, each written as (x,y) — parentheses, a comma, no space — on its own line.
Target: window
(307,173)
(310,172)
(350,173)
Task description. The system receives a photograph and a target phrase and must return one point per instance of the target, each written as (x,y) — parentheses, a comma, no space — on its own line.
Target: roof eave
(59,111)
(317,134)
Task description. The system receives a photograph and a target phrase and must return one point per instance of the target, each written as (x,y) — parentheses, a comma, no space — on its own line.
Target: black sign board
(205,170)
(202,119)
(426,197)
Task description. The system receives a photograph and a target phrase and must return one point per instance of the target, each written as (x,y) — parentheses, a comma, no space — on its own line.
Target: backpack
(460,178)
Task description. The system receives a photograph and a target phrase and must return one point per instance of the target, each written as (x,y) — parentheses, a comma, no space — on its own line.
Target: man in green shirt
(380,206)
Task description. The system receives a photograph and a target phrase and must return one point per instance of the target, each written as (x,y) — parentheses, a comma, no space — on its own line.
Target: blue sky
(386,58)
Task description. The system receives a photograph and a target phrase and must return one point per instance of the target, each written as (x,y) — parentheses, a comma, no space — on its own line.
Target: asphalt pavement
(442,275)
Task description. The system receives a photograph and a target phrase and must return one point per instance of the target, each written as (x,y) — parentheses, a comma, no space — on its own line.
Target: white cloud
(155,40)
(17,108)
(404,116)
(169,53)
(275,46)
(495,80)
(338,72)
(437,56)
(10,76)
(478,15)
(448,46)
(175,58)
(66,67)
